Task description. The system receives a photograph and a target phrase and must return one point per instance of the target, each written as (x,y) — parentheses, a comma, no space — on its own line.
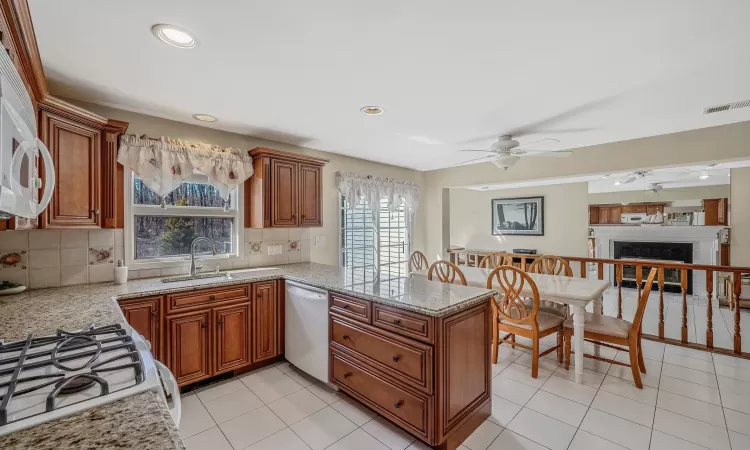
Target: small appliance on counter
(121,272)
(48,377)
(633,218)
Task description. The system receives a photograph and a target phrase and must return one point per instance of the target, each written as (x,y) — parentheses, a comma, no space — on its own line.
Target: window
(374,246)
(194,209)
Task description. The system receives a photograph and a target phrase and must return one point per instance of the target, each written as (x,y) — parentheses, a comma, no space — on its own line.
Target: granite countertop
(144,418)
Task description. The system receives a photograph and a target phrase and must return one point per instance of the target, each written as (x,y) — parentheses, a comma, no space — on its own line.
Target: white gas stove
(49,377)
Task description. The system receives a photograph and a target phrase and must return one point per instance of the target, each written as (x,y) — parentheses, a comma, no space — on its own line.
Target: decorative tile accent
(294,246)
(254,248)
(14,259)
(101,255)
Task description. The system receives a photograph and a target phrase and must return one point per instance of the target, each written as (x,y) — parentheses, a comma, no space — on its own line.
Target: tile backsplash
(49,258)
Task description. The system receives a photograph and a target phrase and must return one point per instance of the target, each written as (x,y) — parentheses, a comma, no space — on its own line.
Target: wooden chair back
(418,261)
(493,260)
(638,318)
(510,307)
(446,272)
(551,265)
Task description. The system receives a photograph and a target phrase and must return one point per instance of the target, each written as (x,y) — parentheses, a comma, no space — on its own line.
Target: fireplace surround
(659,251)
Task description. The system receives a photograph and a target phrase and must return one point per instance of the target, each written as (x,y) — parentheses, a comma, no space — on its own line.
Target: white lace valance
(163,163)
(356,188)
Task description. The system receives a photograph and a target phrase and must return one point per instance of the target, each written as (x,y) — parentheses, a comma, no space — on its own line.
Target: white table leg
(578,321)
(598,309)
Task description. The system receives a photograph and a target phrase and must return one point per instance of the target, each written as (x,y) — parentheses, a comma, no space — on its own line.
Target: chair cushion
(545,321)
(548,307)
(601,324)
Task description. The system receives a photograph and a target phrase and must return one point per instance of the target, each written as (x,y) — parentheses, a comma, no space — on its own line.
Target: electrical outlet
(320,241)
(274,249)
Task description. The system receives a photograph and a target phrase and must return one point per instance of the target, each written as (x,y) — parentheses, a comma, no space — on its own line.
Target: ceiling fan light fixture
(204,117)
(174,36)
(704,176)
(372,110)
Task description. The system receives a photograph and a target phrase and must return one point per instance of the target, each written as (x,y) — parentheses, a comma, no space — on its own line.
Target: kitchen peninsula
(436,386)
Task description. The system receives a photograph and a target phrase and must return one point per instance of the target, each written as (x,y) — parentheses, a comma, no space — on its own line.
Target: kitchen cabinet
(284,191)
(611,214)
(232,337)
(615,215)
(265,321)
(653,209)
(143,314)
(189,346)
(593,215)
(75,150)
(717,211)
(604,214)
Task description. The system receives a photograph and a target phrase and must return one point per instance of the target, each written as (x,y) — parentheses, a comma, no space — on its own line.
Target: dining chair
(418,261)
(446,272)
(510,315)
(612,332)
(551,265)
(493,260)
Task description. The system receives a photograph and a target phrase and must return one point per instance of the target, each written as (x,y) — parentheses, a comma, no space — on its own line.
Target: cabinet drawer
(409,362)
(410,411)
(351,307)
(403,322)
(186,300)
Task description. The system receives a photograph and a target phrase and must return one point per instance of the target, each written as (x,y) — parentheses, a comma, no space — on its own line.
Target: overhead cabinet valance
(163,163)
(355,188)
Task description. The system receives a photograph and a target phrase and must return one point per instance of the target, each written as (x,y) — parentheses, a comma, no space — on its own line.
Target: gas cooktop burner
(74,384)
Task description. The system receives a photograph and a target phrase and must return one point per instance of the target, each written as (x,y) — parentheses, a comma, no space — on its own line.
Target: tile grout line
(723,413)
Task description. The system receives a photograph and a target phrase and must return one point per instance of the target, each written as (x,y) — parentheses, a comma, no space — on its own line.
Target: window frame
(376,226)
(224,261)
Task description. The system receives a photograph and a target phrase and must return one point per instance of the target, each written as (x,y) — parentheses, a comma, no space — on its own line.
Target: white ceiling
(446,73)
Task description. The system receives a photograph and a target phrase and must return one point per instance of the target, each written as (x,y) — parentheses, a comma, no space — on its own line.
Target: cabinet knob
(346,337)
(153,312)
(220,322)
(396,358)
(259,295)
(345,306)
(204,325)
(294,218)
(398,404)
(212,297)
(96,211)
(347,374)
(397,321)
(303,217)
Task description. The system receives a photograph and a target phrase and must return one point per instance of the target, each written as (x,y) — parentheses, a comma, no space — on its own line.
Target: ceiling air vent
(726,107)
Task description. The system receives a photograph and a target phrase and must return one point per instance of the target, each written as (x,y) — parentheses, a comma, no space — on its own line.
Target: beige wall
(739,217)
(665,195)
(724,143)
(565,224)
(328,253)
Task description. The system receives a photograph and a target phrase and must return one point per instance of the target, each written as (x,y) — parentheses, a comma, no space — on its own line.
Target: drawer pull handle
(345,306)
(397,321)
(398,404)
(212,297)
(396,358)
(346,337)
(347,374)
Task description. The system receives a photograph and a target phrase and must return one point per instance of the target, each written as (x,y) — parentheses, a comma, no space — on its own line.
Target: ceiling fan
(506,151)
(630,177)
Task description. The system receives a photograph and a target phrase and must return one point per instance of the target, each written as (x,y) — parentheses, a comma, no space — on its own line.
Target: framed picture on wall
(518,216)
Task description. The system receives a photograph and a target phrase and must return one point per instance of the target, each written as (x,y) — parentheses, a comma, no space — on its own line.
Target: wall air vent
(726,107)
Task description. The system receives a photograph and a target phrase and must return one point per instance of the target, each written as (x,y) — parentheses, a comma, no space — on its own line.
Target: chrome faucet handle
(198,265)
(217,269)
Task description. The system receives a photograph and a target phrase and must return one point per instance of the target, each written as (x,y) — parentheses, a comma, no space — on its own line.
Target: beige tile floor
(692,400)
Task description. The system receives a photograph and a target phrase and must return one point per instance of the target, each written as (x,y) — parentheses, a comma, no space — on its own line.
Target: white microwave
(20,150)
(633,218)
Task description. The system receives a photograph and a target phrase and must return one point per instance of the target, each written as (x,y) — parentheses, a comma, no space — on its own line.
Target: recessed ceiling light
(617,183)
(372,110)
(605,175)
(204,117)
(173,35)
(703,176)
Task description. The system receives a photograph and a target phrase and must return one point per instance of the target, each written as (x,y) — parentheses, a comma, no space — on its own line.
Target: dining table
(575,292)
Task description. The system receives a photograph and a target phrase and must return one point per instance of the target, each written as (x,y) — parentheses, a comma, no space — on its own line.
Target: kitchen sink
(197,277)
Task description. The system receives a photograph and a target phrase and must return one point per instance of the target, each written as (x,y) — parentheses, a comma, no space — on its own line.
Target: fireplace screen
(645,252)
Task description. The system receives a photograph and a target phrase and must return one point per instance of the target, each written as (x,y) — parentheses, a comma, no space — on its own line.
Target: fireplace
(662,251)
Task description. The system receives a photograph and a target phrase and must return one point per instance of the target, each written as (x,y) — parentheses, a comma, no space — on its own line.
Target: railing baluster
(660,272)
(583,269)
(639,279)
(523,264)
(618,271)
(737,293)
(684,286)
(600,271)
(709,309)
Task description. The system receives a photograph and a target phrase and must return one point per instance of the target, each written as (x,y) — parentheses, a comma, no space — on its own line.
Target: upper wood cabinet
(717,211)
(611,214)
(75,150)
(593,214)
(284,191)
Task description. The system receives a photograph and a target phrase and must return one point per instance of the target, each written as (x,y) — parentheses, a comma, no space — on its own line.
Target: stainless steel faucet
(192,252)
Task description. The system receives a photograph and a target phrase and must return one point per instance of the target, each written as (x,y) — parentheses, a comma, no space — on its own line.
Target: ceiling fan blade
(533,127)
(629,180)
(553,153)
(485,158)
(473,150)
(537,141)
(477,139)
(562,130)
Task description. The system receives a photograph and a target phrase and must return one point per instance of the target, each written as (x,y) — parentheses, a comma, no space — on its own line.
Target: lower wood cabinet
(232,337)
(143,314)
(265,321)
(189,346)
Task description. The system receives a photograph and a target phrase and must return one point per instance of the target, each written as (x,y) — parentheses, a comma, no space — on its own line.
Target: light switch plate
(274,249)
(320,241)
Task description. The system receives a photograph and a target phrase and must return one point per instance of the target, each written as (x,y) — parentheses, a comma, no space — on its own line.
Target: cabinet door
(653,209)
(283,193)
(711,209)
(310,205)
(593,215)
(604,214)
(232,337)
(614,214)
(722,213)
(75,151)
(265,321)
(188,346)
(143,315)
